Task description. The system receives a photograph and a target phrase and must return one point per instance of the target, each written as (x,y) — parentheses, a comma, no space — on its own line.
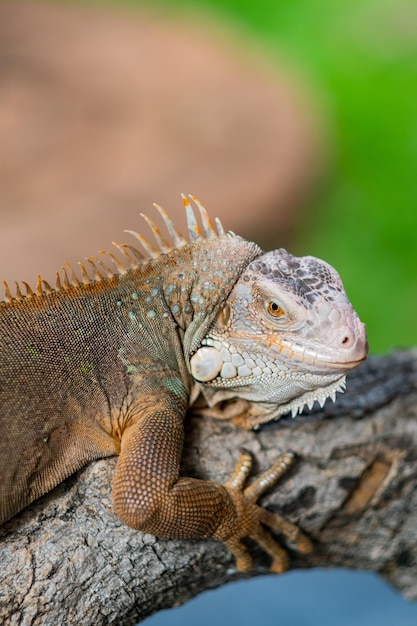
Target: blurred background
(293,121)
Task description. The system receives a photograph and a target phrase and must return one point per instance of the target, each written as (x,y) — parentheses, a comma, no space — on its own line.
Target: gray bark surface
(67,558)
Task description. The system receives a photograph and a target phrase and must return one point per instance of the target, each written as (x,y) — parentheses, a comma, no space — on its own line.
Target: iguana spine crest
(132,256)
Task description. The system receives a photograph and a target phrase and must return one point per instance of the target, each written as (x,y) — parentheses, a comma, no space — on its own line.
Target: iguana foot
(252,518)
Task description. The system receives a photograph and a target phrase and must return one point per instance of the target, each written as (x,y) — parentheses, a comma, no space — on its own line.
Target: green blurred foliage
(359,59)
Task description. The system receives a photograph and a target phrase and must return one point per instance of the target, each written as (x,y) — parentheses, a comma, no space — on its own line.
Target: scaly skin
(109,365)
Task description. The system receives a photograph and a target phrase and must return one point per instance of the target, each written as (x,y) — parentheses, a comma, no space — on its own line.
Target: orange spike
(133,253)
(58,284)
(122,249)
(97,275)
(177,238)
(7,292)
(193,228)
(84,274)
(209,231)
(39,287)
(18,292)
(65,280)
(47,287)
(74,280)
(29,292)
(103,268)
(160,240)
(119,265)
(152,252)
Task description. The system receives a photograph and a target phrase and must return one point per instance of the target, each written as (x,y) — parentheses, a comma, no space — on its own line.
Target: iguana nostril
(347,339)
(355,343)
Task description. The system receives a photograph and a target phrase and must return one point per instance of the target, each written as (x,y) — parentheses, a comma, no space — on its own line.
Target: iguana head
(286,336)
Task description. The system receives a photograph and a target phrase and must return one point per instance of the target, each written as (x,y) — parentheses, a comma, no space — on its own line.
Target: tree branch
(67,558)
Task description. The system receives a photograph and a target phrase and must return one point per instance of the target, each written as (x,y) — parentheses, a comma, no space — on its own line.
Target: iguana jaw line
(270,409)
(308,399)
(322,357)
(309,356)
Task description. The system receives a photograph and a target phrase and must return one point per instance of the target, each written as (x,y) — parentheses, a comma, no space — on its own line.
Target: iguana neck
(195,281)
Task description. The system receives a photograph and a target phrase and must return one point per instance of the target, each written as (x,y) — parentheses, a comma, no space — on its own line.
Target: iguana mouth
(347,350)
(347,364)
(320,357)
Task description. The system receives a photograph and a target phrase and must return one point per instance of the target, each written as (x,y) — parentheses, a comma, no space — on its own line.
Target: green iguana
(109,365)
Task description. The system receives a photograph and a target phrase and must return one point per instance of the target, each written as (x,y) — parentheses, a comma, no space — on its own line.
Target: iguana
(106,365)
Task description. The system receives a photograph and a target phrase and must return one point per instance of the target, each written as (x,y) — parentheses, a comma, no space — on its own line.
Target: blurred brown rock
(104,111)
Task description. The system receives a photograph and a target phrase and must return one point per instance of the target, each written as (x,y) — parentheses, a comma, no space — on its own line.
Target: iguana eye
(275,309)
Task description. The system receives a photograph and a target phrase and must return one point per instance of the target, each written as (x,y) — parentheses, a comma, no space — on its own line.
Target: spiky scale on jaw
(109,365)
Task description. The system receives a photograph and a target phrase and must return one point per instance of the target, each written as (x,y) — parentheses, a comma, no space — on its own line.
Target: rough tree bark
(67,559)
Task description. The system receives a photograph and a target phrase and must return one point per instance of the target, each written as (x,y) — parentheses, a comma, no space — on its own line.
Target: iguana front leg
(150,495)
(148,492)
